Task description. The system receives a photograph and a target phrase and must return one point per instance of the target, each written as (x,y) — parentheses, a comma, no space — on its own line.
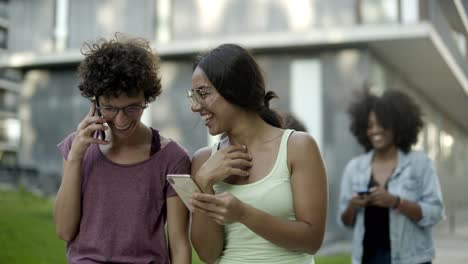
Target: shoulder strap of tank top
(282,157)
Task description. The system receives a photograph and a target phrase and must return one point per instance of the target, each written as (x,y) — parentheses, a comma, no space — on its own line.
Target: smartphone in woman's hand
(363,192)
(185,186)
(101,134)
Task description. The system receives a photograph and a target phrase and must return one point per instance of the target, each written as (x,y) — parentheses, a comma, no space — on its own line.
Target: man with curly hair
(390,196)
(114,199)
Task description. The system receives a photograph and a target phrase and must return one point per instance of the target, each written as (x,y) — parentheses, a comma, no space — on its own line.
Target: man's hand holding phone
(85,133)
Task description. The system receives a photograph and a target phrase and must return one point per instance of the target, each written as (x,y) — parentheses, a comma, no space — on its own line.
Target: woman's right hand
(232,160)
(358,201)
(85,134)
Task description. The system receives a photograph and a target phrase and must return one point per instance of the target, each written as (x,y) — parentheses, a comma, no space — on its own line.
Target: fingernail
(105,124)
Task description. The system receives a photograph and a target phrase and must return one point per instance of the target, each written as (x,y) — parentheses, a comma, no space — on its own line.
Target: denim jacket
(414,179)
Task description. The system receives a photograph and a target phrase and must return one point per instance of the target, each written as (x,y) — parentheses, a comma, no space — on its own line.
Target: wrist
(243,208)
(76,152)
(400,205)
(73,156)
(356,206)
(205,185)
(397,202)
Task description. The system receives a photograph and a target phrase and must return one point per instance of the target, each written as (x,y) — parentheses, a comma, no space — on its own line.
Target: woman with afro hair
(390,195)
(114,199)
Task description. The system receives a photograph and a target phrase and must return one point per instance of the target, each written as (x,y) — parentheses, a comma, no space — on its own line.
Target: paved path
(450,248)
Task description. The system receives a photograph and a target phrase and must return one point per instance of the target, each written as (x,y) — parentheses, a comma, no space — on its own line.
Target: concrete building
(314,54)
(9,95)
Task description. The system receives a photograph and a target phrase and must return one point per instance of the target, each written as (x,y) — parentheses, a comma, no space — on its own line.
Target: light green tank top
(273,195)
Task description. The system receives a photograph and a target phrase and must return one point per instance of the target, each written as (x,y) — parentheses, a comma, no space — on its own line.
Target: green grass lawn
(27,234)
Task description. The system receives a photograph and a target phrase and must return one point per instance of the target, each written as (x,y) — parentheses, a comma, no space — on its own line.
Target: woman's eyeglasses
(132,111)
(198,95)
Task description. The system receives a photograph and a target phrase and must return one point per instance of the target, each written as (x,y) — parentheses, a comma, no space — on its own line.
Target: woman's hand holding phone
(380,197)
(85,133)
(359,200)
(223,208)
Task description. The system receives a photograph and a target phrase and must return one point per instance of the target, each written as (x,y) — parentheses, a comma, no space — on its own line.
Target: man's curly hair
(119,66)
(394,110)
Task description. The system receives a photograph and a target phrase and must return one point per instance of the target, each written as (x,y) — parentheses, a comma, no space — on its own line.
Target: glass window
(8,158)
(3,133)
(61,24)
(379,11)
(3,38)
(409,11)
(163,28)
(432,141)
(8,101)
(11,101)
(9,74)
(2,100)
(4,9)
(460,40)
(10,131)
(446,144)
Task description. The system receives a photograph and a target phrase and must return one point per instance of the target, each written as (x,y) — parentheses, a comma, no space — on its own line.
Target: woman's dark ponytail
(268,115)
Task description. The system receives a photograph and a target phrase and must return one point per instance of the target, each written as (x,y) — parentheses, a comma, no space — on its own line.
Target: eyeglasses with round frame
(132,111)
(198,95)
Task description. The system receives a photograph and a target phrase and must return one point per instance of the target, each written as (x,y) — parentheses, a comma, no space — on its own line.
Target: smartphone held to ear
(100,134)
(185,187)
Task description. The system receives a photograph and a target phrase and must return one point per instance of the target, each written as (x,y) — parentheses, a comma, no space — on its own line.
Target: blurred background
(314,53)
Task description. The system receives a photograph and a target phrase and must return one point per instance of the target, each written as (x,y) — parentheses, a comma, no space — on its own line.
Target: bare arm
(67,208)
(177,229)
(206,235)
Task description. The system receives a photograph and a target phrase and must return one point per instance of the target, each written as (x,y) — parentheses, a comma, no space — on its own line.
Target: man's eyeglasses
(132,111)
(198,95)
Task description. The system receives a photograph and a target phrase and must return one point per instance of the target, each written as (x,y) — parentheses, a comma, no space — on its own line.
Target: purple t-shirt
(123,207)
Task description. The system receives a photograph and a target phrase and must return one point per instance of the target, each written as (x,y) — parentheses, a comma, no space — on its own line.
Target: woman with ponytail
(264,189)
